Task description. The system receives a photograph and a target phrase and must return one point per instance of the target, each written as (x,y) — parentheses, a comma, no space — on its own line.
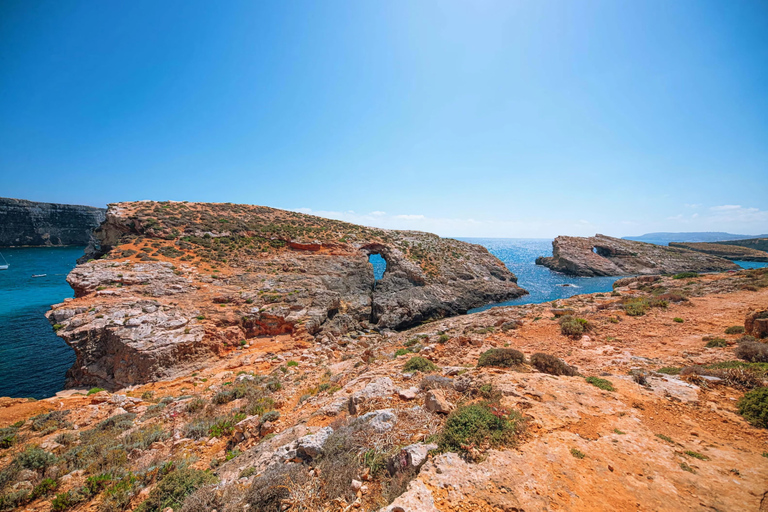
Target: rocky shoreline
(32,224)
(179,283)
(642,408)
(602,255)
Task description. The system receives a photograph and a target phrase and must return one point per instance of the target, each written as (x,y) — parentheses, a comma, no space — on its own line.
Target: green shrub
(50,422)
(678,320)
(754,407)
(419,364)
(94,390)
(401,352)
(56,327)
(716,342)
(44,488)
(552,365)
(35,458)
(173,488)
(601,383)
(696,455)
(501,358)
(669,370)
(443,338)
(577,453)
(685,275)
(8,437)
(574,326)
(479,425)
(735,329)
(637,306)
(291,363)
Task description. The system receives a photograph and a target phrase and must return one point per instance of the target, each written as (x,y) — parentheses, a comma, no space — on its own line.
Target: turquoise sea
(34,361)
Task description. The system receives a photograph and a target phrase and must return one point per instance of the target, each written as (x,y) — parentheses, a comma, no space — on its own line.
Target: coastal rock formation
(729,252)
(27,223)
(759,243)
(178,282)
(602,255)
(652,421)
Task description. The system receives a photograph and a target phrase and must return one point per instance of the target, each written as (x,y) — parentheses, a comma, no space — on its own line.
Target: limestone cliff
(602,255)
(28,223)
(729,252)
(179,282)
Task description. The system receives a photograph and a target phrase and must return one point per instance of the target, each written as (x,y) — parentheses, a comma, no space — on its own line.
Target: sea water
(33,360)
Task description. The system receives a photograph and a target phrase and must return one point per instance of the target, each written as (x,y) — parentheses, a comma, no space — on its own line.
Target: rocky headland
(28,223)
(176,284)
(729,252)
(650,397)
(602,255)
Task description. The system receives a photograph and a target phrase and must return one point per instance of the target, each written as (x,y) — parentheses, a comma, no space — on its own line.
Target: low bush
(754,407)
(685,275)
(552,365)
(678,320)
(603,384)
(735,329)
(637,306)
(173,488)
(35,458)
(269,491)
(715,342)
(50,422)
(501,358)
(753,351)
(8,437)
(419,364)
(574,326)
(479,426)
(669,370)
(93,391)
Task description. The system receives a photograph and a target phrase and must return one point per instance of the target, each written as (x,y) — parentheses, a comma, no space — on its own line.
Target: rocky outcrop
(602,255)
(729,252)
(178,282)
(28,223)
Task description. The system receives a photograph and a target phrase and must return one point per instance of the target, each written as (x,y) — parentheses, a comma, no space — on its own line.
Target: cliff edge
(729,252)
(28,223)
(602,255)
(177,283)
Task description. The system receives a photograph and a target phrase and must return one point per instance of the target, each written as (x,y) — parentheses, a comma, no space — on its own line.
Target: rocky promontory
(175,284)
(28,223)
(729,252)
(602,255)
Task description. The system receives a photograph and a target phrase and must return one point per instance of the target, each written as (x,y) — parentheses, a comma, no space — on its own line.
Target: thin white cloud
(725,207)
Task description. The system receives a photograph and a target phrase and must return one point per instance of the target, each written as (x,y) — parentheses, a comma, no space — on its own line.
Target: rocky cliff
(729,252)
(177,283)
(602,255)
(27,223)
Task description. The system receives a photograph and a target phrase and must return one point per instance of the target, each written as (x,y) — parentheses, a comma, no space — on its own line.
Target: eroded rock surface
(29,223)
(602,255)
(176,283)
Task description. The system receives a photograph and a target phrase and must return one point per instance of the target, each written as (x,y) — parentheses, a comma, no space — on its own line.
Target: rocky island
(602,255)
(729,252)
(28,223)
(176,284)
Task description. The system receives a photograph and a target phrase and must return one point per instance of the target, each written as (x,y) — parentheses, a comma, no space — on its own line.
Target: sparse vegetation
(753,351)
(574,326)
(501,358)
(552,365)
(685,275)
(577,453)
(678,320)
(603,384)
(479,426)
(735,329)
(754,407)
(419,364)
(715,342)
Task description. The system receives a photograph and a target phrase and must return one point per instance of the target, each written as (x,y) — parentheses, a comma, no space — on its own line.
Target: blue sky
(508,119)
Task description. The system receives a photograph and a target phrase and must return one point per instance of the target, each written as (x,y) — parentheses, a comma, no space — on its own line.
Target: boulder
(381,420)
(312,445)
(379,388)
(756,324)
(436,402)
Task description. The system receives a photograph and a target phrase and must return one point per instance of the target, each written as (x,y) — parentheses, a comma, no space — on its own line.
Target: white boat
(4,265)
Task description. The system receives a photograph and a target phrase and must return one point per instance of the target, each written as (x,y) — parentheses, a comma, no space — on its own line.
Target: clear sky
(472,118)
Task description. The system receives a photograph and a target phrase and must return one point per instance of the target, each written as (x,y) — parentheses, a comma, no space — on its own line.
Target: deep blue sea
(33,360)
